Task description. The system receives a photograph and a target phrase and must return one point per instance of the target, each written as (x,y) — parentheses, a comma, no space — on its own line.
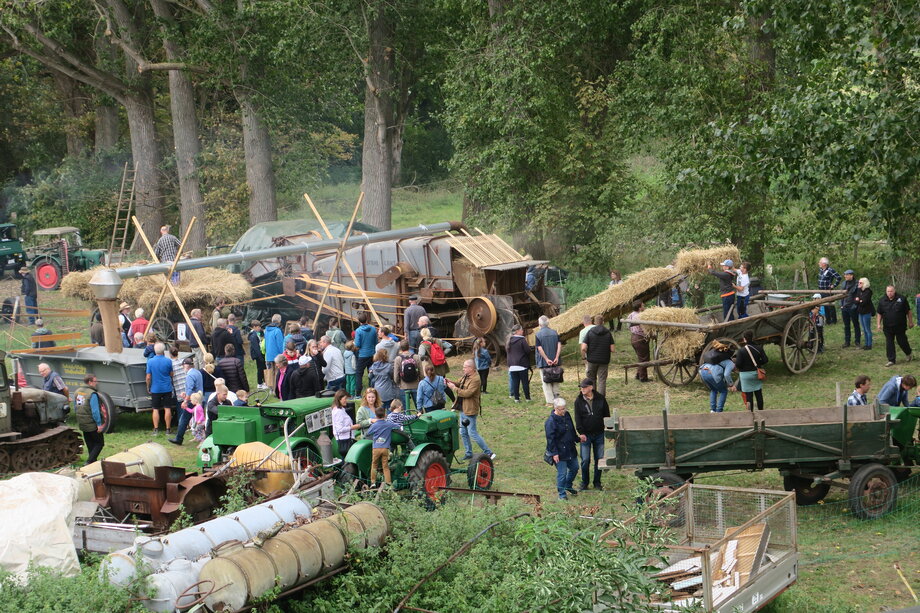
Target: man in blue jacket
(894,392)
(365,343)
(560,443)
(274,344)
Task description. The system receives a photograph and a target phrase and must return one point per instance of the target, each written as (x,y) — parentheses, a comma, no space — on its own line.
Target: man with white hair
(139,324)
(828,279)
(334,370)
(52,382)
(549,359)
(160,387)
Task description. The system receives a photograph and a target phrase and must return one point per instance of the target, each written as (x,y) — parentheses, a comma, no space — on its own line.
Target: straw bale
(613,301)
(676,344)
(198,288)
(693,261)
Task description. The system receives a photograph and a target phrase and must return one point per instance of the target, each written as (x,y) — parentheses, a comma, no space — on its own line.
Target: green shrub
(46,590)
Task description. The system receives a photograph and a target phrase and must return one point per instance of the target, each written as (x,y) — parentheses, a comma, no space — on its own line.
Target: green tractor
(304,418)
(428,466)
(12,254)
(60,251)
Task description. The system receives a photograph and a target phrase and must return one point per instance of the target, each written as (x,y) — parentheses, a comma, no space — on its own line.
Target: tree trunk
(149,196)
(185,136)
(259,174)
(106,127)
(74,105)
(762,53)
(377,158)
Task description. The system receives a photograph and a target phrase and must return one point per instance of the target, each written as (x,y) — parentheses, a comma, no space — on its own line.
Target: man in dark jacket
(305,381)
(29,292)
(220,336)
(894,317)
(197,350)
(848,308)
(590,410)
(236,337)
(596,350)
(231,369)
(255,351)
(726,278)
(518,351)
(560,443)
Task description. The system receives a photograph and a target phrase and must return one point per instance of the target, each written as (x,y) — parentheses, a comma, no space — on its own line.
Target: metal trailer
(735,549)
(122,376)
(775,318)
(871,446)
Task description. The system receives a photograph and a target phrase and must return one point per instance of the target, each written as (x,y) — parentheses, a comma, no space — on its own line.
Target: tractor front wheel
(481,473)
(429,475)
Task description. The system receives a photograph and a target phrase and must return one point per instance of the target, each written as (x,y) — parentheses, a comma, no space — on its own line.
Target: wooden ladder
(118,247)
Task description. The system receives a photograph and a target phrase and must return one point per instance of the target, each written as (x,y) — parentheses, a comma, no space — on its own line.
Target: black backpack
(408,369)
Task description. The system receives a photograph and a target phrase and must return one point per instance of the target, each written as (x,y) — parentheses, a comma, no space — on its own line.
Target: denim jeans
(336,384)
(741,305)
(516,380)
(470,432)
(715,381)
(594,442)
(415,339)
(184,418)
(566,471)
(865,320)
(850,316)
(31,308)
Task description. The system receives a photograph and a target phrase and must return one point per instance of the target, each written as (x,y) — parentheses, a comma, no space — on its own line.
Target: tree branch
(172,66)
(111,82)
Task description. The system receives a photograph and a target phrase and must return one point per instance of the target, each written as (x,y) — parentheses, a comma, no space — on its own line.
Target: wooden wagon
(775,317)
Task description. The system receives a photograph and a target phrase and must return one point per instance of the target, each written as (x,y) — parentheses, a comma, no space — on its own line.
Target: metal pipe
(296,249)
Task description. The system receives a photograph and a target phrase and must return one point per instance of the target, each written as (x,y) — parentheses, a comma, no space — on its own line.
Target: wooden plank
(69,336)
(338,258)
(172,269)
(45,315)
(61,349)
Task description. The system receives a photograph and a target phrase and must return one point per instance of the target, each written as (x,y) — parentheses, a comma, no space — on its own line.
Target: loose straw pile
(676,344)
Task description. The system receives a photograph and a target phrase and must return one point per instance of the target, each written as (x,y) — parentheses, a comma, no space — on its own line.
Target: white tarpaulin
(36,523)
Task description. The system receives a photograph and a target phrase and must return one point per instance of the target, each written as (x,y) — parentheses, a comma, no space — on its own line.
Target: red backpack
(436,353)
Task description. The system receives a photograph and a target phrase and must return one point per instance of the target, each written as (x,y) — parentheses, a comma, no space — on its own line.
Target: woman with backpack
(432,351)
(431,390)
(406,373)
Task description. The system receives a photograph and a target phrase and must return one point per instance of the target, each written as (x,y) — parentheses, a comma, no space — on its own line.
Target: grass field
(845,564)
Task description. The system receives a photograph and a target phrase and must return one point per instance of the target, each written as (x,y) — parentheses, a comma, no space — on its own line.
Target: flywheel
(481,316)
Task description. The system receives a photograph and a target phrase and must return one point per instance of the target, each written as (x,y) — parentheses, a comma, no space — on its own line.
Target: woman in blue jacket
(560,443)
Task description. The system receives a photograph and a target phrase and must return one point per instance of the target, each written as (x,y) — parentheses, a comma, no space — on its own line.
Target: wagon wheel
(799,345)
(674,374)
(724,340)
(164,330)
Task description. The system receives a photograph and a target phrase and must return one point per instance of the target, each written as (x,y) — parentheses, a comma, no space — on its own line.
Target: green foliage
(78,192)
(239,493)
(551,561)
(183,520)
(46,590)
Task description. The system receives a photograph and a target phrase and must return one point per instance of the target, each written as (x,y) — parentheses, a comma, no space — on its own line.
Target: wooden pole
(172,269)
(351,272)
(169,286)
(338,258)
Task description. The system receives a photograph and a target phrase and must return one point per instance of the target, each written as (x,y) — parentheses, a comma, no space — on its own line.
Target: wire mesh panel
(733,545)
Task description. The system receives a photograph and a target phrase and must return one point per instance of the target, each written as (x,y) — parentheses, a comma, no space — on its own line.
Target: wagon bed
(782,322)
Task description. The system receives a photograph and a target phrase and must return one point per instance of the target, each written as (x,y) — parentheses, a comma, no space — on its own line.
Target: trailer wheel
(664,483)
(873,491)
(164,330)
(481,472)
(429,475)
(805,494)
(799,345)
(675,374)
(725,340)
(109,412)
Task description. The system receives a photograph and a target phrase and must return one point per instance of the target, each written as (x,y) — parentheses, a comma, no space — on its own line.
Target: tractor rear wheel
(481,473)
(873,491)
(348,476)
(429,475)
(805,494)
(47,274)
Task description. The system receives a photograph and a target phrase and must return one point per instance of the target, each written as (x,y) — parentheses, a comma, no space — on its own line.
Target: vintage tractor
(301,420)
(60,251)
(12,254)
(428,466)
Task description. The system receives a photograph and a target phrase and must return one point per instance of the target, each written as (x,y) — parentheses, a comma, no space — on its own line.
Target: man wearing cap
(413,312)
(590,410)
(726,278)
(194,382)
(29,292)
(828,279)
(849,308)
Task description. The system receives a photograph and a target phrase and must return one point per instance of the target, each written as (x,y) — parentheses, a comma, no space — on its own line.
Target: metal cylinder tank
(141,459)
(364,523)
(239,573)
(167,584)
(196,541)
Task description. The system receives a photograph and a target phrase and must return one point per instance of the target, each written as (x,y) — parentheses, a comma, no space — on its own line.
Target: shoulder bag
(553,374)
(761,373)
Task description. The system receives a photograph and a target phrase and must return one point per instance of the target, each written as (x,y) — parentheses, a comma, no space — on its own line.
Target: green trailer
(814,449)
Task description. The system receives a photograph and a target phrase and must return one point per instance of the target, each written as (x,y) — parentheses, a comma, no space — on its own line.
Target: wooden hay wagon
(775,317)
